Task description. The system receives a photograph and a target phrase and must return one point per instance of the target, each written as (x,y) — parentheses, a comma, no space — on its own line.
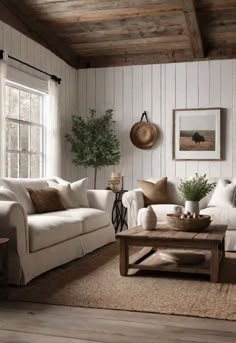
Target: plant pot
(149,219)
(192,206)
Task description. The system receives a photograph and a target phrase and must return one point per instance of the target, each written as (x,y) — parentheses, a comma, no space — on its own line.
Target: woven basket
(187,224)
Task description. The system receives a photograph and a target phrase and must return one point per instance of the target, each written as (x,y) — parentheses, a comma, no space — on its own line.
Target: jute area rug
(94,281)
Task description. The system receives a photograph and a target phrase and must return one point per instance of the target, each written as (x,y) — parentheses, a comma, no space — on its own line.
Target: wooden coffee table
(211,239)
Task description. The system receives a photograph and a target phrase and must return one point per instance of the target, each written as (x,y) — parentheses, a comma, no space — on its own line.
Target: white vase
(192,206)
(149,218)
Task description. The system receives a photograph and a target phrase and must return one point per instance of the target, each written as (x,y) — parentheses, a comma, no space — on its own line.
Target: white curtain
(53,132)
(3,68)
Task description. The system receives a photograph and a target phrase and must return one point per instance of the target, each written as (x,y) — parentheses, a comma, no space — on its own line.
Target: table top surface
(214,233)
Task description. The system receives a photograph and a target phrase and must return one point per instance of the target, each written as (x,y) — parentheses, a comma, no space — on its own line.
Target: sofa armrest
(101,199)
(14,226)
(133,201)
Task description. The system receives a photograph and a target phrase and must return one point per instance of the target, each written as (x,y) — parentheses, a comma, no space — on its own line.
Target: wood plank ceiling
(99,33)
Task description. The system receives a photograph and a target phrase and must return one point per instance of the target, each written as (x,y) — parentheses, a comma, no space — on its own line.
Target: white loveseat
(39,242)
(134,202)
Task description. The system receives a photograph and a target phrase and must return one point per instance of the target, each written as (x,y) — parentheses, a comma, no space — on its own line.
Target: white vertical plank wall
(181,102)
(22,47)
(159,89)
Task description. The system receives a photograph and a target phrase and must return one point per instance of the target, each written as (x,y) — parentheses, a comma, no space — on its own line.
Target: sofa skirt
(33,264)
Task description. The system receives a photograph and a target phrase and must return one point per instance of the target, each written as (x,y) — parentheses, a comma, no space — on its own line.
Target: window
(24,132)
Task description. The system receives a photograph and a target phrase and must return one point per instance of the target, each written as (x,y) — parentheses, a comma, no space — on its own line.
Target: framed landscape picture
(197,134)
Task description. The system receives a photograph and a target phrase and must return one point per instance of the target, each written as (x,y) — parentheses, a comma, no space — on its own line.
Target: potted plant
(193,190)
(93,142)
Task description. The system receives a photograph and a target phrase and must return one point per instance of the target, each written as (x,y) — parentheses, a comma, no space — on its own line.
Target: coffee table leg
(214,263)
(124,257)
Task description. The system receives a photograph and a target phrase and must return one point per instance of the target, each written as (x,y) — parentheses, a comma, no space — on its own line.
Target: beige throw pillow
(79,189)
(155,193)
(223,195)
(67,196)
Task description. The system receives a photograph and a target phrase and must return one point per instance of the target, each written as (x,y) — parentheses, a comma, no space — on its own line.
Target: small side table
(119,212)
(3,268)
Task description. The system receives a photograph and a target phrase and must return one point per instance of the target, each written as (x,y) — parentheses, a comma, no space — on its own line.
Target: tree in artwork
(93,141)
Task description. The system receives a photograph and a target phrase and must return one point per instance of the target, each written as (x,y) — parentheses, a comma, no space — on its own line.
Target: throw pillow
(223,195)
(20,192)
(67,196)
(46,200)
(155,193)
(80,191)
(7,194)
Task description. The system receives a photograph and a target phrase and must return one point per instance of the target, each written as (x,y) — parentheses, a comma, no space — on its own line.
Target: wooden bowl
(188,224)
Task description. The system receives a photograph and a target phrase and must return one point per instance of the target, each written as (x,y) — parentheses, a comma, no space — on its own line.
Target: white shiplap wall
(158,89)
(21,47)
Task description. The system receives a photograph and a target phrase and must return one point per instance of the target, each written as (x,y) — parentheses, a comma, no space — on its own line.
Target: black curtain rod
(53,77)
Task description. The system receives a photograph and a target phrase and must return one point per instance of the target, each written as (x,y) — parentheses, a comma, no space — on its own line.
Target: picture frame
(197,134)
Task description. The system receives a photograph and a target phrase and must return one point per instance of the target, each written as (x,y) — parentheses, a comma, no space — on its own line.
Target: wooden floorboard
(28,322)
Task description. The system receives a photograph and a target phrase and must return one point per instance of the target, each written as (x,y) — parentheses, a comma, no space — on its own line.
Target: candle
(115,175)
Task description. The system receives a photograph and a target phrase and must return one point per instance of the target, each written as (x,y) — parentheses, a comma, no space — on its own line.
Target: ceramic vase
(149,219)
(192,206)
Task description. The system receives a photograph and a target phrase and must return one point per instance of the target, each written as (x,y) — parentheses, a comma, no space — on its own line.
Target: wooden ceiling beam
(109,15)
(121,34)
(213,53)
(86,6)
(42,34)
(214,4)
(135,59)
(193,28)
(140,42)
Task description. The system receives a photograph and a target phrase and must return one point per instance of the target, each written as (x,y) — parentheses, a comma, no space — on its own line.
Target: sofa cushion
(19,188)
(46,200)
(45,231)
(155,193)
(91,218)
(223,216)
(161,211)
(79,189)
(223,195)
(6,194)
(67,196)
(174,195)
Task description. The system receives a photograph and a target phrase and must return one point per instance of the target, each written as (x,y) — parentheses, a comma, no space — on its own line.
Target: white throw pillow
(67,196)
(6,194)
(223,195)
(80,190)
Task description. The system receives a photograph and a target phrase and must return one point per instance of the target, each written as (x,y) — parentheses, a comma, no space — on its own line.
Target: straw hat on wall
(143,134)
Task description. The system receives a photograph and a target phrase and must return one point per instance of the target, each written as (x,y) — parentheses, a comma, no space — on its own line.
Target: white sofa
(40,242)
(134,202)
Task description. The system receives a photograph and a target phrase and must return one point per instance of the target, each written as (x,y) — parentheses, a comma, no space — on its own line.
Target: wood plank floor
(29,322)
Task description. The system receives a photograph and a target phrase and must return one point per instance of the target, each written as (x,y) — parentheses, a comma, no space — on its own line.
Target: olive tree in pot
(93,142)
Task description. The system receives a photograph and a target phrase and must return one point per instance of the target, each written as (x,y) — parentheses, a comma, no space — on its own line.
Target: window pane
(12,165)
(13,111)
(35,139)
(24,137)
(24,105)
(7,102)
(35,166)
(24,165)
(12,135)
(35,108)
